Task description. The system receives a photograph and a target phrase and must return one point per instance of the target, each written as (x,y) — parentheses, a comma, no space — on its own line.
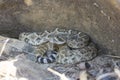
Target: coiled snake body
(60,46)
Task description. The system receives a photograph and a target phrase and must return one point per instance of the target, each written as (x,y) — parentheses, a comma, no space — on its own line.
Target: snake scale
(60,46)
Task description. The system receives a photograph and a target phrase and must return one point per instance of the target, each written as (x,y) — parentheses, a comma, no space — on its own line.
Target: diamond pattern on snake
(60,46)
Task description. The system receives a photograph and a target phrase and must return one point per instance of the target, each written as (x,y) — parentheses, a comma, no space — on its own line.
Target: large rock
(100,19)
(23,69)
(10,48)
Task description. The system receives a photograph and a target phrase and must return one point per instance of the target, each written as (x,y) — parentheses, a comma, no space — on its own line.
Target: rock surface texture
(10,48)
(100,19)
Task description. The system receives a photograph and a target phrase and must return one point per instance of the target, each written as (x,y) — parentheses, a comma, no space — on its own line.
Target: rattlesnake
(61,46)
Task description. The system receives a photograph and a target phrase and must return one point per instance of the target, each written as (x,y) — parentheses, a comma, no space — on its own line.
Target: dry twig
(6,41)
(62,76)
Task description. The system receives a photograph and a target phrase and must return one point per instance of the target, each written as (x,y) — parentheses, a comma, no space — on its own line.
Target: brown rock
(100,19)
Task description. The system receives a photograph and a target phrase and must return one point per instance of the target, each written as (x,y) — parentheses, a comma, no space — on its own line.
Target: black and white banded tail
(50,57)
